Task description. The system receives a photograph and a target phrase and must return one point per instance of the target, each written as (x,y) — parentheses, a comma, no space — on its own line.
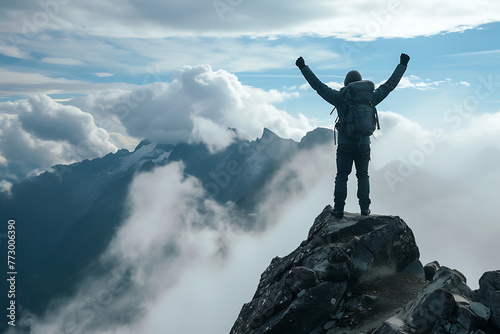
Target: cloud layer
(180,256)
(154,19)
(13,82)
(180,270)
(59,35)
(38,133)
(200,104)
(443,183)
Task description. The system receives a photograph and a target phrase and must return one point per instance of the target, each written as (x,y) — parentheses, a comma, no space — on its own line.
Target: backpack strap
(334,126)
(376,118)
(335,129)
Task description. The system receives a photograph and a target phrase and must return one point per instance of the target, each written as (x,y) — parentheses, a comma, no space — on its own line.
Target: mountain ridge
(68,215)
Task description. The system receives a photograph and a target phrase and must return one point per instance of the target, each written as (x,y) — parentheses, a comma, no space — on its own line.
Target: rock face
(301,291)
(447,305)
(363,275)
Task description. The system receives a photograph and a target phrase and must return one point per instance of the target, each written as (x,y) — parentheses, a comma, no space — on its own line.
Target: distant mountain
(66,217)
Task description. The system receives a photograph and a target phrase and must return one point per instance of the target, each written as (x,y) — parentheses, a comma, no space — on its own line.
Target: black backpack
(360,118)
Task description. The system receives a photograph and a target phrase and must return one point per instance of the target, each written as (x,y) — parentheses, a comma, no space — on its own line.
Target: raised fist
(404,59)
(300,63)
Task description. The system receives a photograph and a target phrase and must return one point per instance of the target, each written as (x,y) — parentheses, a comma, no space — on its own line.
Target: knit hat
(351,77)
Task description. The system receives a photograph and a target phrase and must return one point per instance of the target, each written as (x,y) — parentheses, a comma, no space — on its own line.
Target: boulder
(489,295)
(430,270)
(445,305)
(439,304)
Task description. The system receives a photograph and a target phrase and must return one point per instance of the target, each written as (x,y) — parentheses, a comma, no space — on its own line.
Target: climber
(349,149)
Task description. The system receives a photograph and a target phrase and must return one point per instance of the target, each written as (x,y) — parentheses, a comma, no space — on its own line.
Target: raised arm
(330,95)
(387,87)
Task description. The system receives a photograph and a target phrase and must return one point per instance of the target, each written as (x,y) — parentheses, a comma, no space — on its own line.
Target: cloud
(444,184)
(415,82)
(164,240)
(492,53)
(38,133)
(152,19)
(252,36)
(147,61)
(200,104)
(214,135)
(411,81)
(103,75)
(335,85)
(332,84)
(12,51)
(156,57)
(61,61)
(5,186)
(182,251)
(26,84)
(165,36)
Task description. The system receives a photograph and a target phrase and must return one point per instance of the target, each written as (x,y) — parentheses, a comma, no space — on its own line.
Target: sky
(79,80)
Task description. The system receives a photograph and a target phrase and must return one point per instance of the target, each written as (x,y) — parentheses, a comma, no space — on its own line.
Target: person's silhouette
(352,150)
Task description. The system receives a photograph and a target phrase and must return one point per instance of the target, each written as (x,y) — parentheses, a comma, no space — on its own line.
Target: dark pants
(346,155)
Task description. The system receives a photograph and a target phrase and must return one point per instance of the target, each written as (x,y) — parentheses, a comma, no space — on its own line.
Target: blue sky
(52,50)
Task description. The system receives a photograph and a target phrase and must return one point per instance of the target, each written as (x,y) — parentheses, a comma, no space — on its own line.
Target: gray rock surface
(301,291)
(445,305)
(489,295)
(362,275)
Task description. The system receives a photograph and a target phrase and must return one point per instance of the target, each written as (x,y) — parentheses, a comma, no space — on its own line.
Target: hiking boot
(365,212)
(338,212)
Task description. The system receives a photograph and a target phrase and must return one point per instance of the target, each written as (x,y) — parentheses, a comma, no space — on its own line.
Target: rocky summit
(362,274)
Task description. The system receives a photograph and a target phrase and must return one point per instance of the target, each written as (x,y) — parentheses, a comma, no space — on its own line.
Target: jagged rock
(482,311)
(489,295)
(301,278)
(449,279)
(298,293)
(430,270)
(362,275)
(443,306)
(306,311)
(438,304)
(468,319)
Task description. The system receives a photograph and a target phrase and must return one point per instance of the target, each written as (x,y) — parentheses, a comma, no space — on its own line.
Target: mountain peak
(268,134)
(363,275)
(143,142)
(316,136)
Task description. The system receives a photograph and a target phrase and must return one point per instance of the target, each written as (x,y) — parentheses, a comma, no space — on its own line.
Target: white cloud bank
(199,105)
(37,133)
(447,194)
(444,183)
(191,267)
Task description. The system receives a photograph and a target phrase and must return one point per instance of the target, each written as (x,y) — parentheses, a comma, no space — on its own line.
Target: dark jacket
(334,96)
